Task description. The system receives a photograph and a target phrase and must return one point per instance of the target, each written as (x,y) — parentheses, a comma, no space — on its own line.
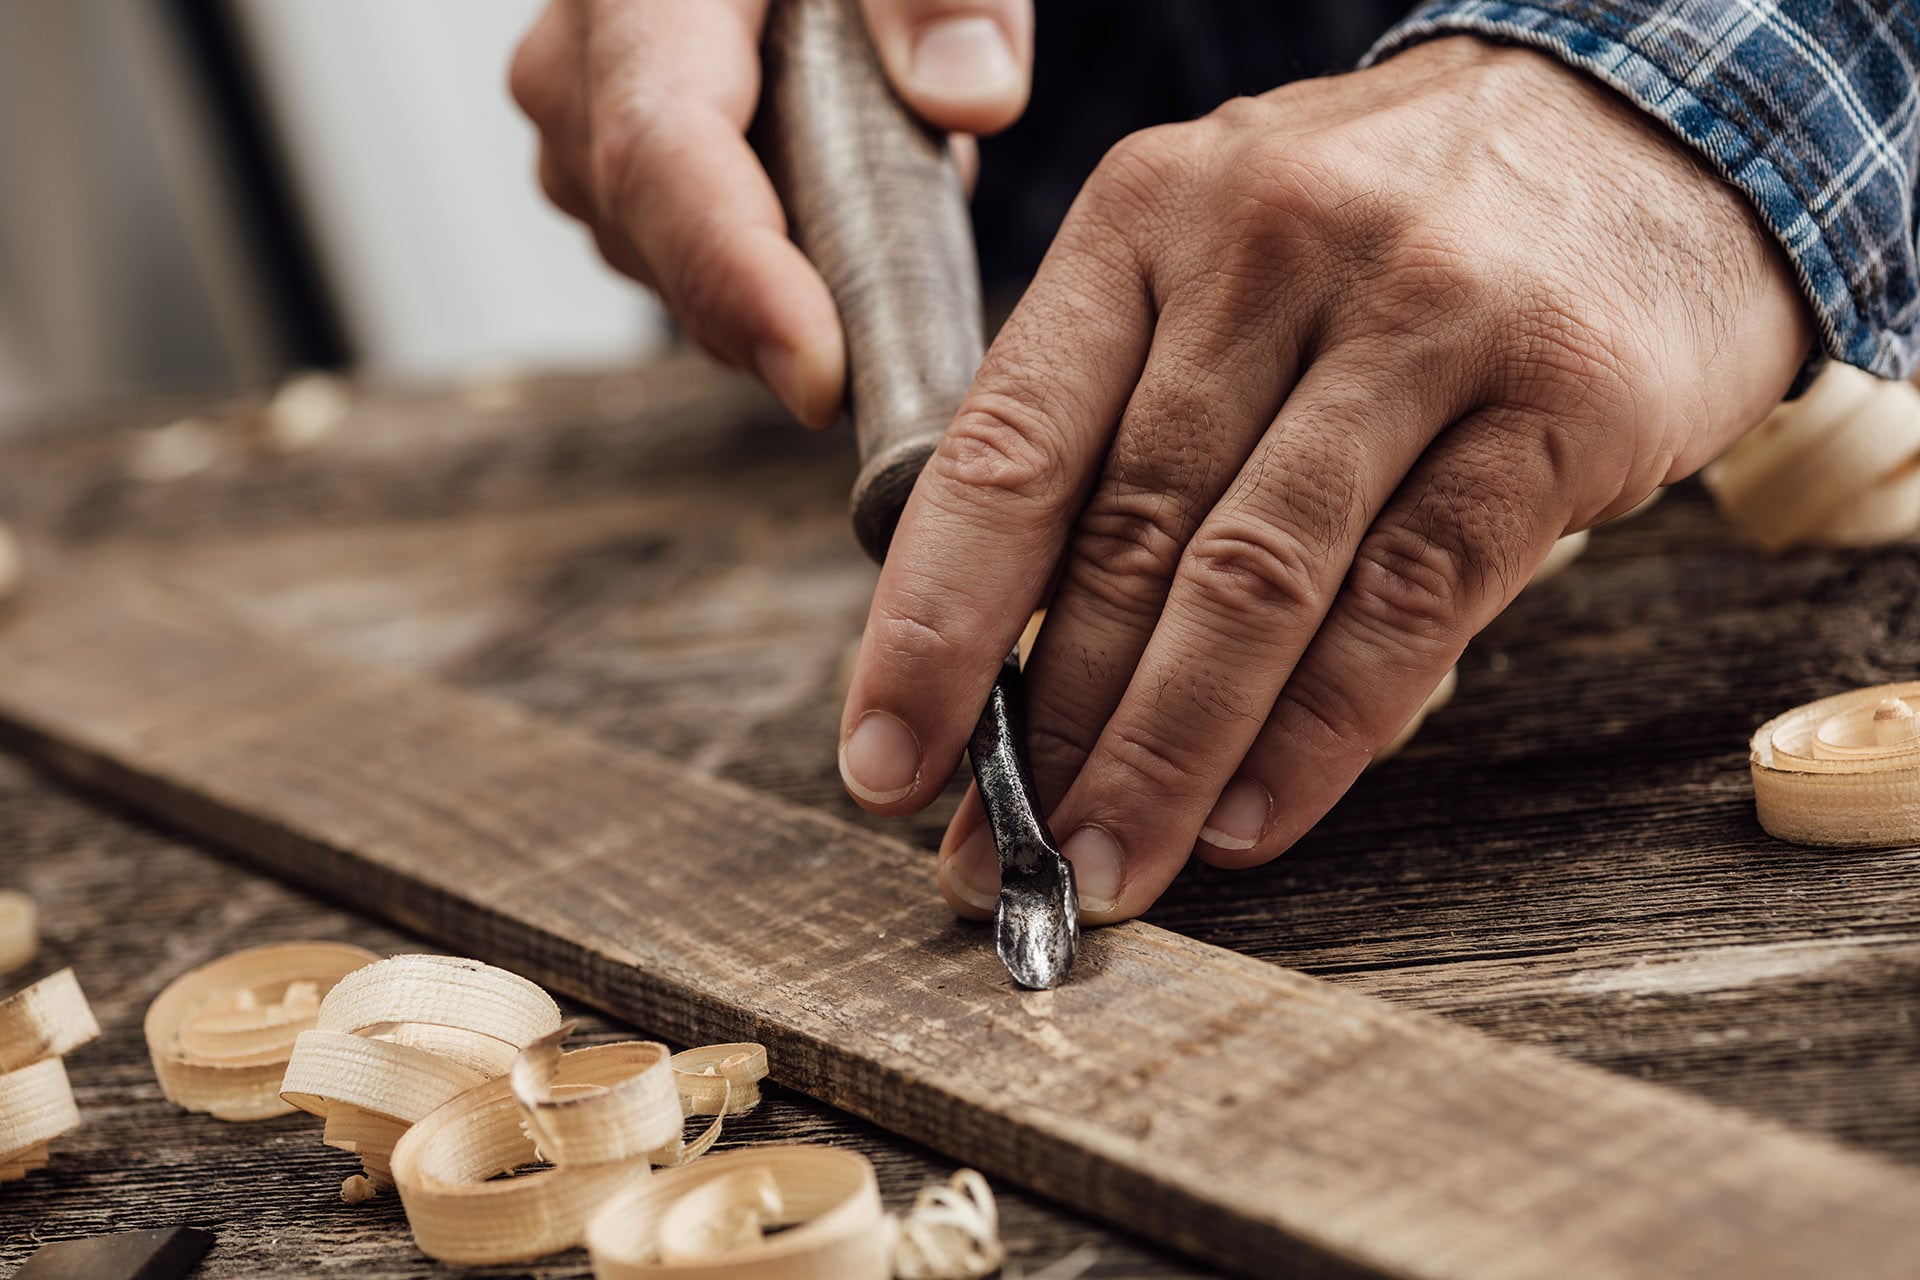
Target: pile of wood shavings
(39,1026)
(443,1074)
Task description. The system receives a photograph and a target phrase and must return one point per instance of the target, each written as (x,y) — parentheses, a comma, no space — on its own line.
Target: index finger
(672,85)
(989,517)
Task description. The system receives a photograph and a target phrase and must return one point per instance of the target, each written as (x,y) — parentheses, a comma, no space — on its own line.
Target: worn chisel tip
(1036,927)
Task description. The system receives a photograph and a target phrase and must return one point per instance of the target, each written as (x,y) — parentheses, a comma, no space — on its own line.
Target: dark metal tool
(875,201)
(165,1253)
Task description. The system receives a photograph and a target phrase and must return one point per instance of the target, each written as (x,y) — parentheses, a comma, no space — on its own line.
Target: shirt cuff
(1865,305)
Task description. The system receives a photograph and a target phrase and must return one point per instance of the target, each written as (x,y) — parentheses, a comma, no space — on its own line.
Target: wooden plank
(1567,856)
(1240,1112)
(129,908)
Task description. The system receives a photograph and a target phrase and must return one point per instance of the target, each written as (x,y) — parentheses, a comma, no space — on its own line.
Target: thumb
(962,65)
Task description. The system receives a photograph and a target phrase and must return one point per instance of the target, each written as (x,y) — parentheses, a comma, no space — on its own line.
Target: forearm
(1807,106)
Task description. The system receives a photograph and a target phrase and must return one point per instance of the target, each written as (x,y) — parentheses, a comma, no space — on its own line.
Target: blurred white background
(202,194)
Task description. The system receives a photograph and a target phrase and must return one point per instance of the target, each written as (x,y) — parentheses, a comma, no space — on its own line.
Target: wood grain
(1567,856)
(1240,1112)
(130,908)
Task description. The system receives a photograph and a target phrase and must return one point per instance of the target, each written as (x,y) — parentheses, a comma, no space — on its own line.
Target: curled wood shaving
(1844,770)
(1441,695)
(1563,553)
(1839,467)
(39,1026)
(951,1233)
(715,1080)
(395,1040)
(220,1035)
(49,1019)
(449,1080)
(720,1077)
(712,1219)
(19,930)
(595,1113)
(620,1105)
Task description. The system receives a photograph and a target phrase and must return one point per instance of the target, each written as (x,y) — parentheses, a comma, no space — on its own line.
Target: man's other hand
(643,106)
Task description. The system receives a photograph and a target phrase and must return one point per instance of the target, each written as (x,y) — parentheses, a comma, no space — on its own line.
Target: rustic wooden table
(1565,856)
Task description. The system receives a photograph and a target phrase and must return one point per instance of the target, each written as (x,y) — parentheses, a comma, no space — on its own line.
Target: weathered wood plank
(1580,809)
(129,908)
(1241,1112)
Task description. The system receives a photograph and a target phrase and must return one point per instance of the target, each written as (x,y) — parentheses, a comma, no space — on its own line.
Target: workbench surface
(1566,856)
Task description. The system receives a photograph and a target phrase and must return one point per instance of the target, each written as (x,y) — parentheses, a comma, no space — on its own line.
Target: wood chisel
(874,200)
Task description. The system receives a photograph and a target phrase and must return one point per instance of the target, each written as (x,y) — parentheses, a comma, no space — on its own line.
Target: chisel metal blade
(1037,923)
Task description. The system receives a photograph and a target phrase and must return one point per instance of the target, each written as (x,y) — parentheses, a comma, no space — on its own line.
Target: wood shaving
(951,1231)
(307,408)
(1441,695)
(38,1027)
(19,930)
(1844,770)
(621,1105)
(220,1036)
(1069,1267)
(1563,553)
(779,1212)
(450,1081)
(596,1114)
(397,1039)
(182,448)
(1839,467)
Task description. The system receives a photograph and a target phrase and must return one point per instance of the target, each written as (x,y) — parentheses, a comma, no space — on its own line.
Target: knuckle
(999,449)
(1311,204)
(1568,341)
(1142,764)
(912,635)
(1440,273)
(1322,721)
(1135,173)
(1127,546)
(1246,567)
(530,80)
(1423,579)
(524,81)
(1243,113)
(1406,583)
(617,158)
(1299,176)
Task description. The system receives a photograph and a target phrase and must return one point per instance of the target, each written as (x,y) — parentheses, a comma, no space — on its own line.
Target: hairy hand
(1302,394)
(643,106)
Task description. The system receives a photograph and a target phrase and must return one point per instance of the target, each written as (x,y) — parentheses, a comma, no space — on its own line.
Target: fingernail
(973,873)
(962,57)
(880,760)
(1239,816)
(1099,868)
(779,367)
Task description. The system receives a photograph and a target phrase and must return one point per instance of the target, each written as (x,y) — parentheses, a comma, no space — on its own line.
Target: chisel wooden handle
(874,199)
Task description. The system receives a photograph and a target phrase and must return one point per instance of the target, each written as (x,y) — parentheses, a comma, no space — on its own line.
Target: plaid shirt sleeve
(1807,106)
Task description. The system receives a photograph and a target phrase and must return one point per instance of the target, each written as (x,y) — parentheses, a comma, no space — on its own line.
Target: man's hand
(643,106)
(1300,397)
